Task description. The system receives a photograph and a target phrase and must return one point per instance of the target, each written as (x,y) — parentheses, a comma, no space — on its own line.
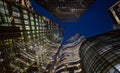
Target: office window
(39,19)
(3,8)
(18,21)
(25,16)
(32,22)
(16,12)
(33,27)
(27,27)
(26,22)
(4,14)
(31,17)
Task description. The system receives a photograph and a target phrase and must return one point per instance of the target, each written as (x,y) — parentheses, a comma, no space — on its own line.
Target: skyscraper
(115,12)
(68,60)
(66,10)
(101,54)
(25,37)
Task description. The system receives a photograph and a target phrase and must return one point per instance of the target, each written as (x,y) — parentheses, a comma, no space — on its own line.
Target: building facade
(101,54)
(67,58)
(115,12)
(66,10)
(24,37)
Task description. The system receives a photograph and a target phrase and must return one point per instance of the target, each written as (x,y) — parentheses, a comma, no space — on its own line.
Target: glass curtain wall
(101,54)
(21,52)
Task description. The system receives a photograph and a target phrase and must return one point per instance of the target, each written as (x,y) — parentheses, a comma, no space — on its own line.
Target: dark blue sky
(96,20)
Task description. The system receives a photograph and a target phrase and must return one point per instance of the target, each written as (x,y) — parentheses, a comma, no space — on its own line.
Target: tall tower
(101,54)
(66,10)
(26,38)
(115,11)
(68,60)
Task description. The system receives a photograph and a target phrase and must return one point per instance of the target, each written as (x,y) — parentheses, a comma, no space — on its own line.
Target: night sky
(96,20)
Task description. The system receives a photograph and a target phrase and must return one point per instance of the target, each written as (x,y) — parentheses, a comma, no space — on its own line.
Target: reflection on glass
(116,69)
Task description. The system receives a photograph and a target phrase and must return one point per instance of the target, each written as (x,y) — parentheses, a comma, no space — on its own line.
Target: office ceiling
(66,10)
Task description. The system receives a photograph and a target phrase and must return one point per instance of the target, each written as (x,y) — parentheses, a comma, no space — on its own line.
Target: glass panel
(33,27)
(17,21)
(118,67)
(26,22)
(15,11)
(39,18)
(33,32)
(31,17)
(36,23)
(27,27)
(2,10)
(4,14)
(37,27)
(32,23)
(19,26)
(25,16)
(28,32)
(24,11)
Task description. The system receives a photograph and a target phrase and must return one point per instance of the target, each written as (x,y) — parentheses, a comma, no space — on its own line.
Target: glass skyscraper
(26,37)
(101,54)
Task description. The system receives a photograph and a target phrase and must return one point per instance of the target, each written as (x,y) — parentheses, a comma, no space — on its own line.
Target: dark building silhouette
(66,10)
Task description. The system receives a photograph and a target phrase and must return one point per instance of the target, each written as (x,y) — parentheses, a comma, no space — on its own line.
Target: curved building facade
(68,60)
(101,54)
(25,45)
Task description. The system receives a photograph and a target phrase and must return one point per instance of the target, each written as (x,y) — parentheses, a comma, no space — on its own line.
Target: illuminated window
(15,12)
(26,22)
(18,21)
(32,23)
